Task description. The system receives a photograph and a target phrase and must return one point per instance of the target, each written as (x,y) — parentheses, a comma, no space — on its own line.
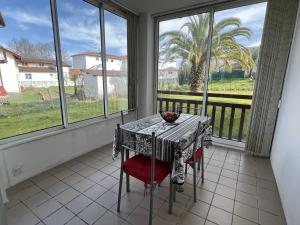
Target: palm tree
(190,44)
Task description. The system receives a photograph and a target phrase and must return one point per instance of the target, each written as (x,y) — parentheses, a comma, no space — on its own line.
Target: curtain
(132,60)
(277,38)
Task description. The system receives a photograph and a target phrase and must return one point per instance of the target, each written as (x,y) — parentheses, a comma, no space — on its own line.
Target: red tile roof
(43,61)
(98,54)
(11,52)
(37,69)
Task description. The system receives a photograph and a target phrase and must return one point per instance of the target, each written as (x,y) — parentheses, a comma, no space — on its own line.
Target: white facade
(93,86)
(18,73)
(93,61)
(92,80)
(41,79)
(9,72)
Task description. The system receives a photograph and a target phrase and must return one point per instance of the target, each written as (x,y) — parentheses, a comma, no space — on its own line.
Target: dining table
(174,141)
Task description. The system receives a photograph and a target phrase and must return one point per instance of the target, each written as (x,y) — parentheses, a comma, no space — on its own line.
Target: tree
(191,43)
(25,48)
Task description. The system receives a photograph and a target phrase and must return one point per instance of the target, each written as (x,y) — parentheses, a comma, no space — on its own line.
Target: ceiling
(156,6)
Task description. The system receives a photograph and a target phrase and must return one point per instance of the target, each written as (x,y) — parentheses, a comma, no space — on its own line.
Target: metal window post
(59,63)
(208,54)
(103,58)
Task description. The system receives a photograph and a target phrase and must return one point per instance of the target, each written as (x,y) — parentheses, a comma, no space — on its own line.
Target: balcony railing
(230,113)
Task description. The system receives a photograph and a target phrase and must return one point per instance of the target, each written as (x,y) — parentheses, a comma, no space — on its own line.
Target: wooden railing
(229,120)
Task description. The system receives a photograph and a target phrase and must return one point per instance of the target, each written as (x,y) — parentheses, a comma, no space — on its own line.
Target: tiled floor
(238,190)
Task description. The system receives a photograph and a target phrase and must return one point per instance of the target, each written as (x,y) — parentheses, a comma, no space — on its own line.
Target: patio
(238,190)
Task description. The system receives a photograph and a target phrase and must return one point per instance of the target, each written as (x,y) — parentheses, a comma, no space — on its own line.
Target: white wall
(9,73)
(285,155)
(39,155)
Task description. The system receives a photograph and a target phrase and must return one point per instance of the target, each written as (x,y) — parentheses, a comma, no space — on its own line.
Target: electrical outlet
(17,171)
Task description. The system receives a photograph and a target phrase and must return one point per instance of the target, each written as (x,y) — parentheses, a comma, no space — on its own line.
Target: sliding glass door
(209,61)
(237,34)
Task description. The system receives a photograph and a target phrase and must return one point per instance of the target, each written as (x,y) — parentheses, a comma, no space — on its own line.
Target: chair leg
(202,169)
(194,181)
(174,193)
(127,183)
(127,176)
(171,196)
(120,188)
(185,171)
(151,203)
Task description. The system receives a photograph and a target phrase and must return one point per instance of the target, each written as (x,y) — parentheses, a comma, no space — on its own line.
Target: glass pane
(29,93)
(116,61)
(183,45)
(236,41)
(79,25)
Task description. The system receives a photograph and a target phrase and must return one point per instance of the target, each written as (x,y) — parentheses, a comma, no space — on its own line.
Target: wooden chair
(145,168)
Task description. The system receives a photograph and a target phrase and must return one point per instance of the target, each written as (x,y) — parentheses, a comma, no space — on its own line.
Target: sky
(251,16)
(79,24)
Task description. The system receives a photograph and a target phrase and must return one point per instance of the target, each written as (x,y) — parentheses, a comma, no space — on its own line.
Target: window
(117,76)
(80,35)
(28,76)
(32,105)
(35,104)
(213,59)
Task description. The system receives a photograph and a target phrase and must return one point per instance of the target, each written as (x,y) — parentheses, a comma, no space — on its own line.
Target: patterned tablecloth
(174,141)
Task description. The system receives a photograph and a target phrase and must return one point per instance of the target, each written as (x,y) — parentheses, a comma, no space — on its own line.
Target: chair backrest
(201,127)
(123,113)
(153,151)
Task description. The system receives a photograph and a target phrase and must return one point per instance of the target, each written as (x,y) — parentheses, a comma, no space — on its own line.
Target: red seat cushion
(139,166)
(199,153)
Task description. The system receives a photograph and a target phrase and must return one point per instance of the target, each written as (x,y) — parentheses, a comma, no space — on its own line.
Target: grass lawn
(39,108)
(27,112)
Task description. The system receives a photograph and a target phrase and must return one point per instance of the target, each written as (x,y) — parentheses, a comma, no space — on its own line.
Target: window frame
(66,126)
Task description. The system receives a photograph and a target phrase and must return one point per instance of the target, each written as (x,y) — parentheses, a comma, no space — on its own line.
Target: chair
(145,168)
(198,155)
(123,113)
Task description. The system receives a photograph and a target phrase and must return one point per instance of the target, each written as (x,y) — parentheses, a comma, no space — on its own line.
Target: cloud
(254,44)
(251,16)
(87,32)
(170,25)
(116,36)
(72,8)
(80,31)
(22,17)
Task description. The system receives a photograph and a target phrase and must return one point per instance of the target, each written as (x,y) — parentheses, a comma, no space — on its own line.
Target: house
(168,75)
(39,72)
(92,60)
(9,70)
(19,72)
(89,66)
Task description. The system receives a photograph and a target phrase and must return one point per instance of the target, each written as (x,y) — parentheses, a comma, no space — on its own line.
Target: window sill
(18,140)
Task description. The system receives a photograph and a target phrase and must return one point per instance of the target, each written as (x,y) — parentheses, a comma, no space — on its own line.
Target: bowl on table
(170,117)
